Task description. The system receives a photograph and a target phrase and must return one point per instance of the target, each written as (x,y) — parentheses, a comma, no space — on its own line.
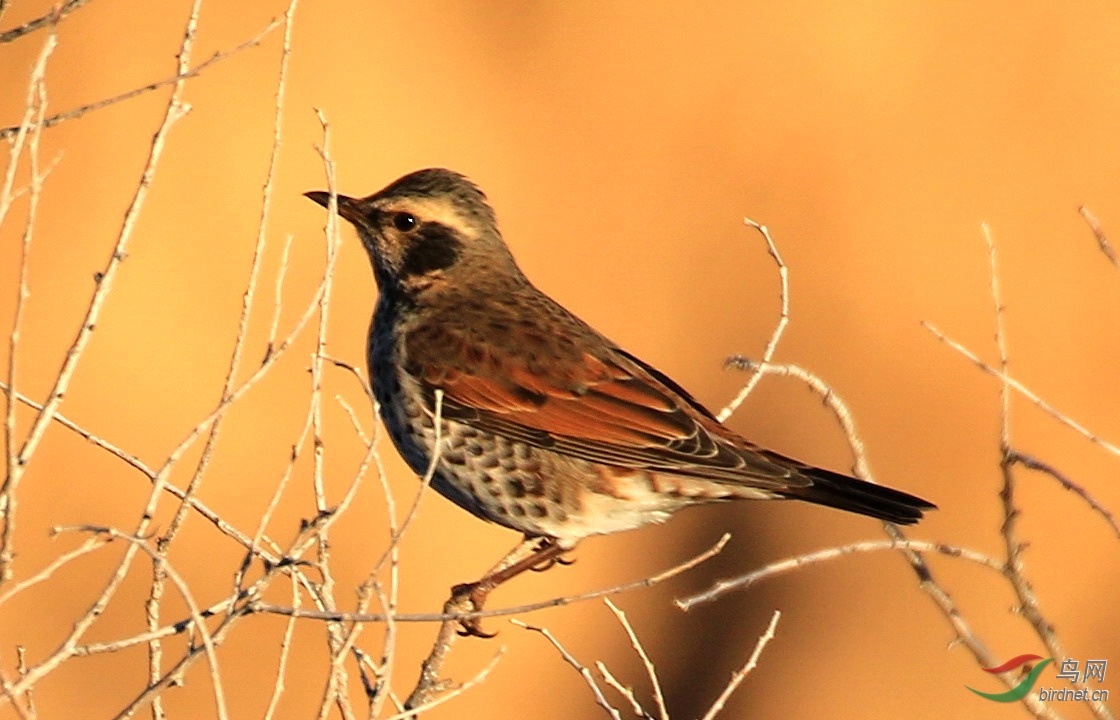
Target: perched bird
(547,426)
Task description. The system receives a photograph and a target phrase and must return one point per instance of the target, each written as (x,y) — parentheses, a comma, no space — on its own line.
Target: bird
(545,426)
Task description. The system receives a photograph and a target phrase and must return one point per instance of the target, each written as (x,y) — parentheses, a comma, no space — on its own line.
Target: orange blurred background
(621,145)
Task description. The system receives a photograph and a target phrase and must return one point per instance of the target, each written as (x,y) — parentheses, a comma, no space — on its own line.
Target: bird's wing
(612,409)
(553,393)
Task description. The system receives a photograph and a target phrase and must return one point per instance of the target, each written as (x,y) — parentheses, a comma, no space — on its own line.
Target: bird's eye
(404,221)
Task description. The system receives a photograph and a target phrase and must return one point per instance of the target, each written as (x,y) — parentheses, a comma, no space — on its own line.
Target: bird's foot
(548,553)
(474,596)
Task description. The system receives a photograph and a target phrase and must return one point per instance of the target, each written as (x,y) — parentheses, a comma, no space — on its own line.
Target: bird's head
(428,227)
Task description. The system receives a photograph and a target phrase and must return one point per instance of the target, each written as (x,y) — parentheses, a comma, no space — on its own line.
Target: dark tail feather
(846,493)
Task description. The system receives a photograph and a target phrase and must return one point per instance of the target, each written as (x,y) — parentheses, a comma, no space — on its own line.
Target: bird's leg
(529,545)
(544,553)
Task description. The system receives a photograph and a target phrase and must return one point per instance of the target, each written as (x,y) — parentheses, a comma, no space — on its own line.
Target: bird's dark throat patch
(434,247)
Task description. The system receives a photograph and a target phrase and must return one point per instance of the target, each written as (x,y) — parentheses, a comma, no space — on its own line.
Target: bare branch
(584,672)
(831,399)
(1029,606)
(451,694)
(1026,392)
(173,112)
(1098,233)
(651,671)
(779,329)
(181,585)
(1033,463)
(741,674)
(183,74)
(722,587)
(30,127)
(91,544)
(51,19)
(626,692)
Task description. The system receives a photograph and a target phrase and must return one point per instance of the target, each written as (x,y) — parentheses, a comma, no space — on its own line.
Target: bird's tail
(846,493)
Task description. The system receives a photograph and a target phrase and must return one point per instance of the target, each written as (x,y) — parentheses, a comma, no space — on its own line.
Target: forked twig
(583,670)
(30,129)
(741,674)
(832,400)
(647,663)
(1026,392)
(1029,606)
(173,112)
(779,327)
(173,80)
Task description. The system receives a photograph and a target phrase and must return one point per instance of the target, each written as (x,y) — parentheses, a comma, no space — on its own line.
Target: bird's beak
(348,207)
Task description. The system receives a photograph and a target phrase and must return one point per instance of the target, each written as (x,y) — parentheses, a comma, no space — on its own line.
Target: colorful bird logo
(1024,687)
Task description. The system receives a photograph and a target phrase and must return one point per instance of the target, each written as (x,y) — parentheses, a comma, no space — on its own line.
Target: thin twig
(371,587)
(431,681)
(266,201)
(282,664)
(240,339)
(1033,463)
(1026,392)
(722,587)
(779,328)
(741,674)
(174,111)
(179,77)
(185,593)
(626,692)
(30,127)
(153,606)
(91,544)
(337,679)
(134,462)
(1098,233)
(584,672)
(965,635)
(647,663)
(831,399)
(451,693)
(278,302)
(1001,342)
(51,19)
(1015,569)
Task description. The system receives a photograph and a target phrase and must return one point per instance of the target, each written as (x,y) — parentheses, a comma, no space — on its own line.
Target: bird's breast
(399,395)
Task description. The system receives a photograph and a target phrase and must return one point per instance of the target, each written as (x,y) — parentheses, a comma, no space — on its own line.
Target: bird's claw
(549,563)
(471,627)
(474,595)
